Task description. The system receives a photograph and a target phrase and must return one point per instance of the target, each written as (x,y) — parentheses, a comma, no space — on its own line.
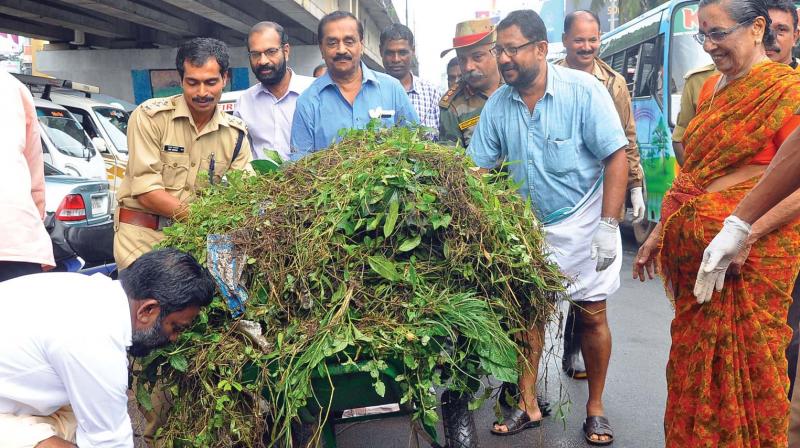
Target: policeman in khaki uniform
(176,146)
(695,79)
(460,107)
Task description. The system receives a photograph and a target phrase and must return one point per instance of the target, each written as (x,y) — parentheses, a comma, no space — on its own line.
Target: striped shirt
(425,98)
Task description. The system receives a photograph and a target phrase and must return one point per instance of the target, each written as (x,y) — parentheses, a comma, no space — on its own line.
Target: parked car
(228,100)
(107,126)
(82,206)
(65,144)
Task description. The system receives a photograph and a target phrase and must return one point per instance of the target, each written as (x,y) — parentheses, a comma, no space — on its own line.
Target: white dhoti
(570,242)
(26,431)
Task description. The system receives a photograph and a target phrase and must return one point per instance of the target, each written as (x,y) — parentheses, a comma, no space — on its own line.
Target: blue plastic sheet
(226,265)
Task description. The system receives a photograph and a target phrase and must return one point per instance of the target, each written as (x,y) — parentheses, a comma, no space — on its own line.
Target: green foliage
(386,256)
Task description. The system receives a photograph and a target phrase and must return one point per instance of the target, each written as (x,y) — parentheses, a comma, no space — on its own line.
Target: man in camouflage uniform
(176,146)
(462,104)
(581,41)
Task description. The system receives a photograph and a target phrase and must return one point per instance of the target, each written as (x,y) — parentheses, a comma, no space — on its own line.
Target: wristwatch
(610,221)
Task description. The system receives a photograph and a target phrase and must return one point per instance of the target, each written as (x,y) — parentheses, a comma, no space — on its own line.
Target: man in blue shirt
(553,128)
(349,95)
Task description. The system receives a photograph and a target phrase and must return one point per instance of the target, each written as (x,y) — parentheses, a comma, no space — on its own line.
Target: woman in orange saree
(726,375)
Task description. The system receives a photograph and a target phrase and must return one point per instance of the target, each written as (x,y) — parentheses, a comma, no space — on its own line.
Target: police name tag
(175,149)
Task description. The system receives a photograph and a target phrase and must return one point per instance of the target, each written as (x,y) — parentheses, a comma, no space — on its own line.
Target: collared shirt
(425,98)
(322,111)
(268,118)
(556,153)
(21,178)
(618,89)
(66,344)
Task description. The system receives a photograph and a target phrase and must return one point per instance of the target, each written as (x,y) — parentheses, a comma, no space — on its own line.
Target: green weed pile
(383,249)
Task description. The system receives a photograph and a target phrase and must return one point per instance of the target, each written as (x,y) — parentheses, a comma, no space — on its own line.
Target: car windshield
(685,53)
(115,122)
(65,132)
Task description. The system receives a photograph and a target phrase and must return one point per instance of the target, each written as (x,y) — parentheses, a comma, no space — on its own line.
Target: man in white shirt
(268,107)
(64,341)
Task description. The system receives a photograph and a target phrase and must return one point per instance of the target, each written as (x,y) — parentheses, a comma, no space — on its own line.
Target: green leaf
(410,361)
(391,218)
(410,244)
(384,267)
(179,362)
(380,388)
(143,397)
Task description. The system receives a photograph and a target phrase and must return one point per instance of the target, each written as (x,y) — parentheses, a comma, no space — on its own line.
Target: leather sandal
(515,423)
(597,425)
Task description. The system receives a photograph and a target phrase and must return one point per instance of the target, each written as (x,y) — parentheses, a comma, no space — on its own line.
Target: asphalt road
(639,316)
(634,398)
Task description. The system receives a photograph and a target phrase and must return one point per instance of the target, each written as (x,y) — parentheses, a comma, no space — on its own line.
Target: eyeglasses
(497,50)
(269,52)
(718,36)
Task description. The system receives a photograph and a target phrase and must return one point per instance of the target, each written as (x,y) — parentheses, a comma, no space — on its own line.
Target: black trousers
(13,269)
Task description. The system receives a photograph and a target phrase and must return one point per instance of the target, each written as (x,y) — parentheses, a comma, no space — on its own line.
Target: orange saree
(726,375)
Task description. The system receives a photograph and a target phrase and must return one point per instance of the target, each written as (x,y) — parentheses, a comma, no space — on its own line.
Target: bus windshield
(685,53)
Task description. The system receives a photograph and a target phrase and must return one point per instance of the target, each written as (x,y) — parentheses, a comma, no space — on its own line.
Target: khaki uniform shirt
(459,112)
(618,89)
(691,91)
(166,151)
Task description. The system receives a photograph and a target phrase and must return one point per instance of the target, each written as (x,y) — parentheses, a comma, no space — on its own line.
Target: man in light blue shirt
(559,134)
(349,95)
(268,107)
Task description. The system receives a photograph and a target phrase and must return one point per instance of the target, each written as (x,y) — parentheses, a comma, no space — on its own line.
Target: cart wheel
(459,424)
(303,432)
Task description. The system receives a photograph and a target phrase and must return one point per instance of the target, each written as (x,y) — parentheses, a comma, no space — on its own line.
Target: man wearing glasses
(268,107)
(350,95)
(551,125)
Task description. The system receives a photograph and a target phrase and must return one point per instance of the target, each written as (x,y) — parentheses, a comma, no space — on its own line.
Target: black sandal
(515,423)
(508,397)
(597,425)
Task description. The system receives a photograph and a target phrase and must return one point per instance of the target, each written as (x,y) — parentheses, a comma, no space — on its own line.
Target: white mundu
(63,343)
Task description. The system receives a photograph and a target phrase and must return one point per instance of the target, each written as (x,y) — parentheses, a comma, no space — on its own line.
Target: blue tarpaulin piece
(226,265)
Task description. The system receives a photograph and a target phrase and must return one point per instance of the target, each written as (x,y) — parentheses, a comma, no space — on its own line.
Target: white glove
(637,201)
(604,245)
(718,256)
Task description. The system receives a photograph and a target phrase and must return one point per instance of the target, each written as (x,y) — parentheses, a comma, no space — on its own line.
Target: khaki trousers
(26,431)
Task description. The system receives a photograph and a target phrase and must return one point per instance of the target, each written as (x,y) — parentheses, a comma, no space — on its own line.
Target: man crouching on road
(64,341)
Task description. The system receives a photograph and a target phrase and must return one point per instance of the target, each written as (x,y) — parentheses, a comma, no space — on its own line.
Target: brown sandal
(517,422)
(597,425)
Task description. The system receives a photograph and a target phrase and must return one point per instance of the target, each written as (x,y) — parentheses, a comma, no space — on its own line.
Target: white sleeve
(95,376)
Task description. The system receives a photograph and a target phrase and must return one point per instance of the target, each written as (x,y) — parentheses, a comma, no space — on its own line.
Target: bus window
(684,54)
(648,73)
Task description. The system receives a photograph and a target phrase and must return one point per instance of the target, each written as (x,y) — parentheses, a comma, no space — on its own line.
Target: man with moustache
(349,95)
(581,41)
(64,368)
(783,15)
(268,107)
(176,145)
(397,52)
(551,124)
(461,106)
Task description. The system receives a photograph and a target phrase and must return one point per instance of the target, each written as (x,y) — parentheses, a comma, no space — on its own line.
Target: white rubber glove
(718,256)
(637,201)
(604,245)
